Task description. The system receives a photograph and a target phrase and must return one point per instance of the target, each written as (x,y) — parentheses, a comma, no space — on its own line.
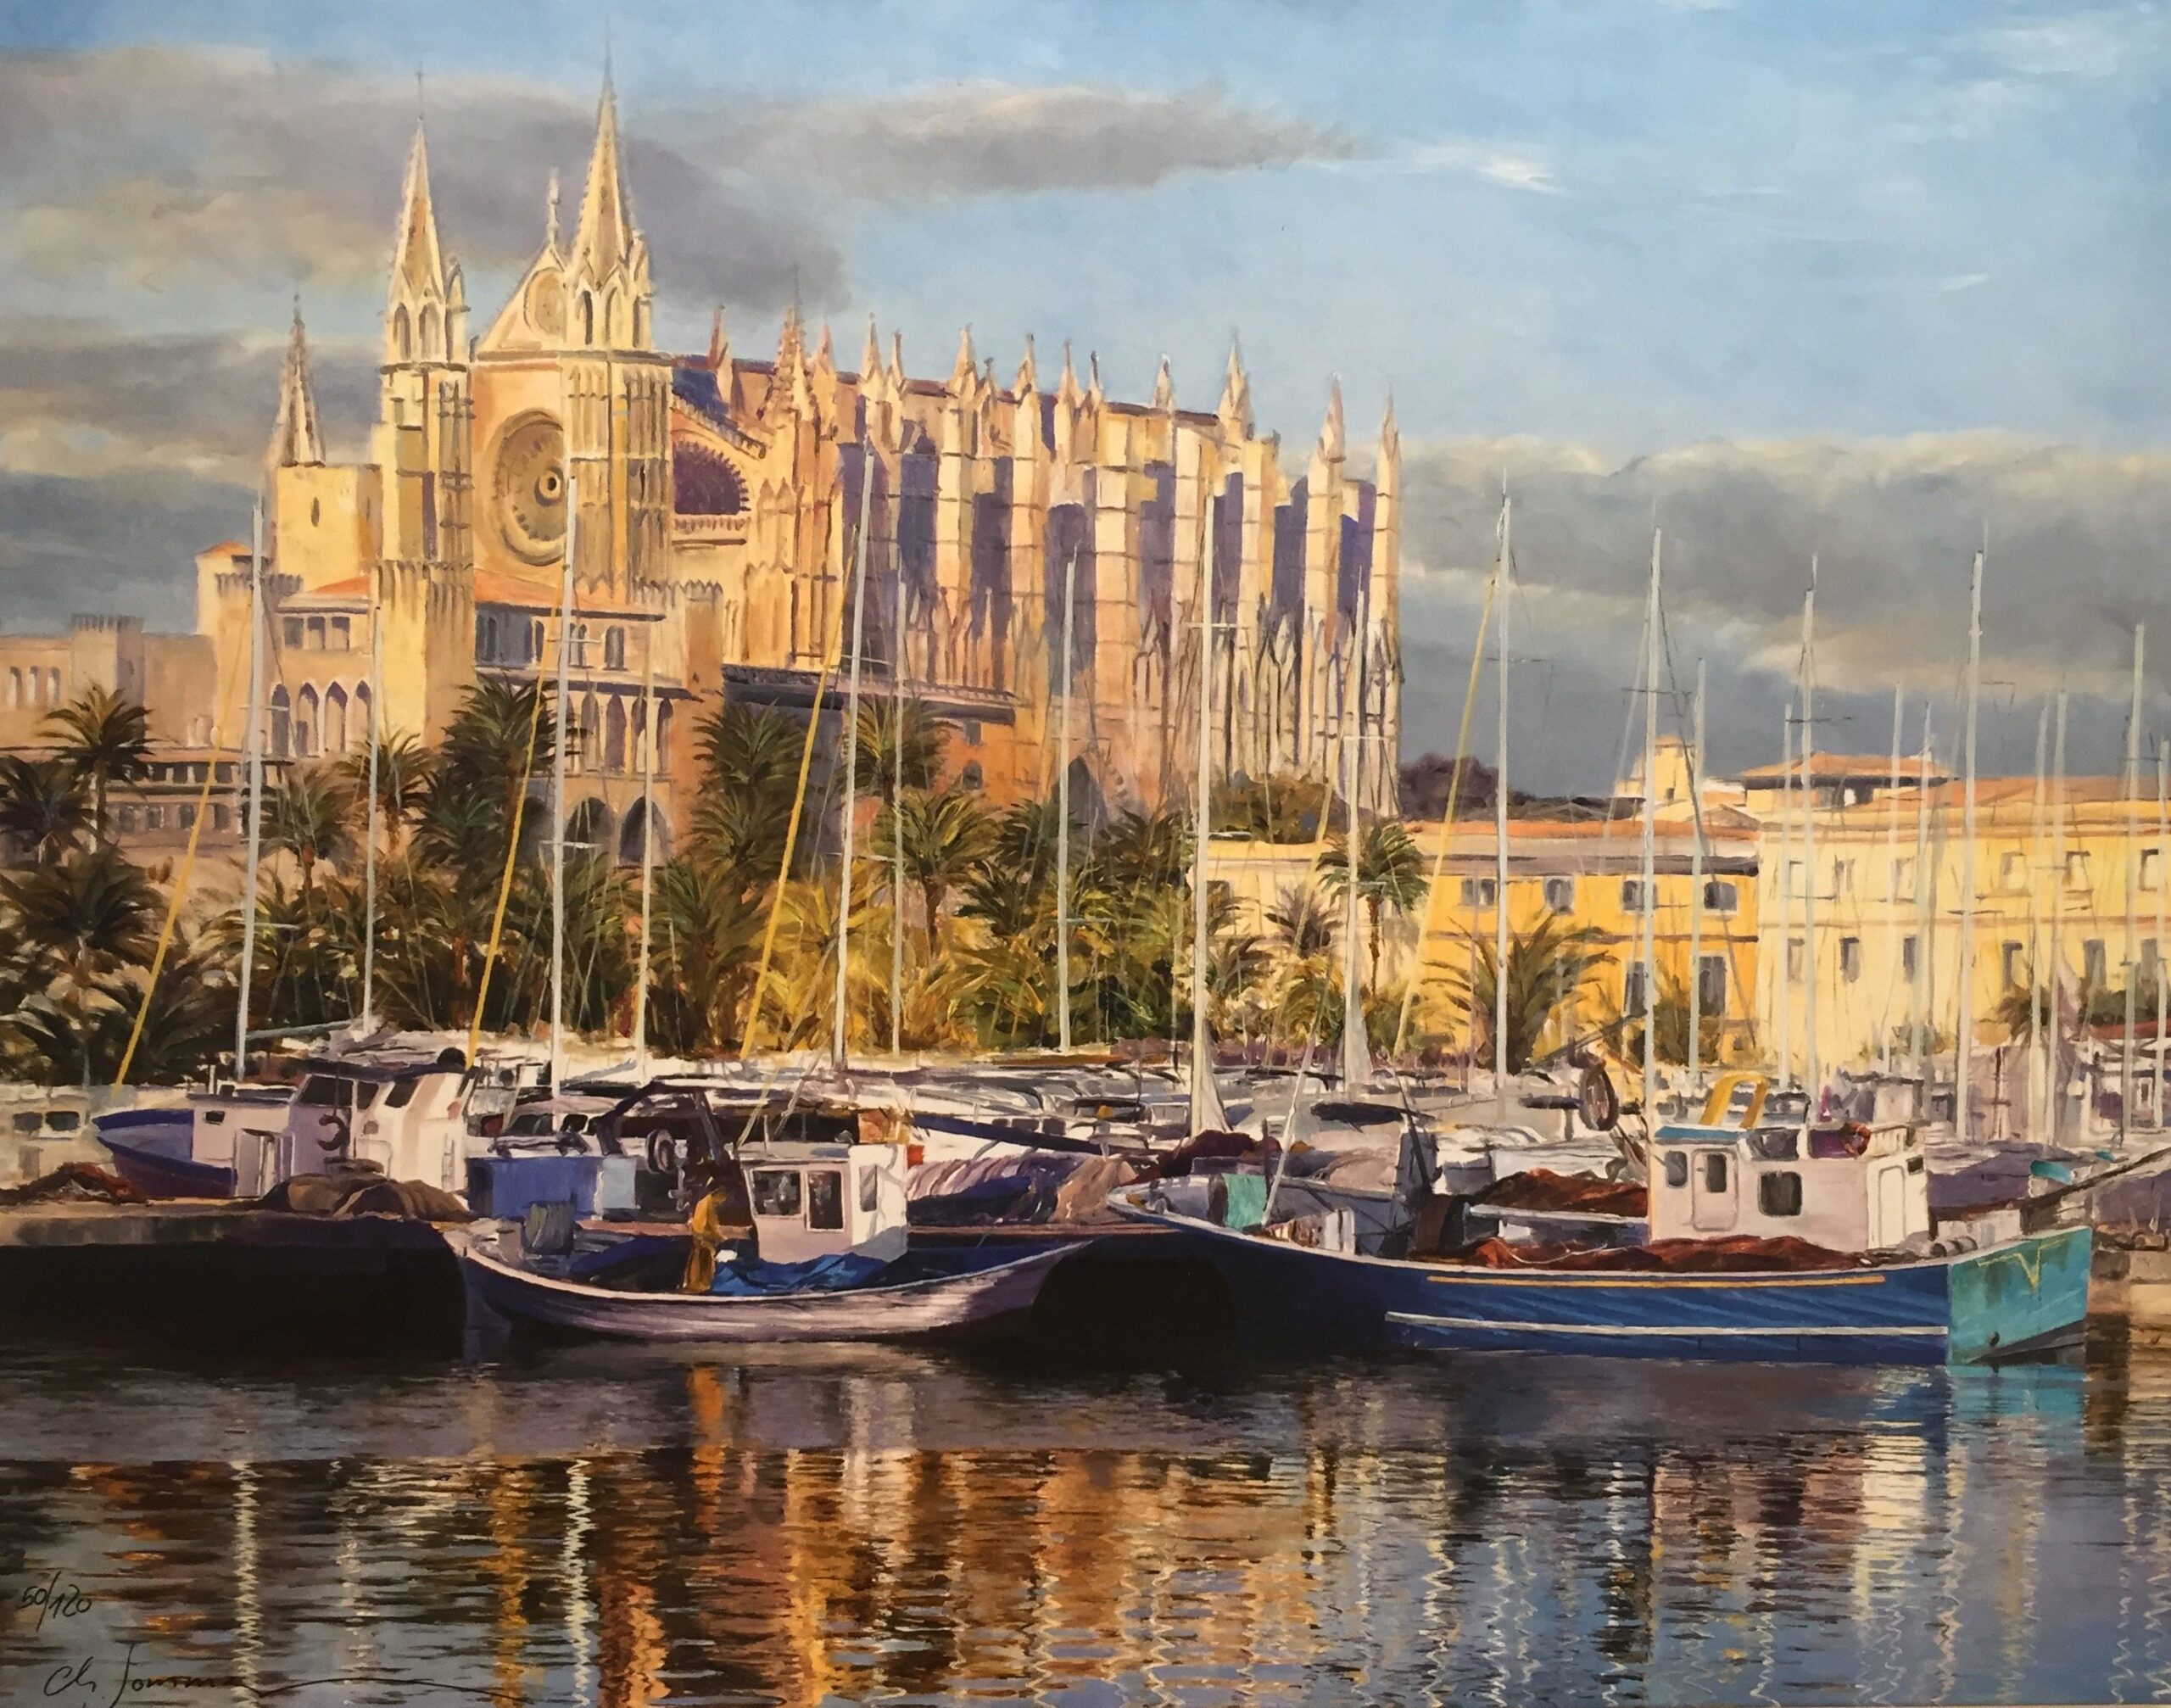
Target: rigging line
(784,867)
(512,859)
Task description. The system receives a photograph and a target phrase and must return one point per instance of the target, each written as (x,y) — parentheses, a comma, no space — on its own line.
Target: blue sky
(1573,236)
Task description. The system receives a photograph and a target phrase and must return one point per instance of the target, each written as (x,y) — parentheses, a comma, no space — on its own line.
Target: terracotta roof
(527,593)
(1837,767)
(231,548)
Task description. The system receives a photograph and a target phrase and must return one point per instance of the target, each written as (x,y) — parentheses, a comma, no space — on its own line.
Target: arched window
(614,734)
(52,688)
(663,736)
(591,729)
(364,729)
(971,776)
(587,318)
(335,719)
(305,724)
(402,346)
(429,334)
(282,732)
(315,633)
(640,323)
(534,641)
(15,687)
(614,648)
(611,319)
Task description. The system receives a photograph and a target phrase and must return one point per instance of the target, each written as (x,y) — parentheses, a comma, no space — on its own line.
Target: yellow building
(710,506)
(1888,881)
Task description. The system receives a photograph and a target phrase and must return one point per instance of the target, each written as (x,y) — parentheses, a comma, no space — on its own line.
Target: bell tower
(423,435)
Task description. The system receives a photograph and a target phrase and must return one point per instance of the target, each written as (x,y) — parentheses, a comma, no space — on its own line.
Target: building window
(1477,892)
(1720,897)
(222,819)
(2151,869)
(282,723)
(290,630)
(614,733)
(2076,871)
(486,637)
(2092,963)
(974,780)
(127,818)
(52,688)
(154,818)
(15,687)
(1779,1194)
(1711,985)
(1795,958)
(1907,959)
(1794,882)
(1843,877)
(1850,959)
(970,728)
(1634,994)
(342,634)
(2009,967)
(534,641)
(2012,873)
(1631,895)
(305,727)
(1560,895)
(1903,880)
(614,648)
(315,631)
(188,818)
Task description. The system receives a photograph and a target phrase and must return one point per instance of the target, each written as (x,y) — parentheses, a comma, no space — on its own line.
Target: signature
(80,1682)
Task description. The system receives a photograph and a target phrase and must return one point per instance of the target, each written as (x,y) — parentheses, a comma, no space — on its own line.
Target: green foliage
(1287,807)
(1548,966)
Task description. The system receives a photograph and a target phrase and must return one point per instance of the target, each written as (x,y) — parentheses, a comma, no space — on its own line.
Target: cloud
(119,542)
(2083,45)
(161,168)
(1001,140)
(81,398)
(2075,549)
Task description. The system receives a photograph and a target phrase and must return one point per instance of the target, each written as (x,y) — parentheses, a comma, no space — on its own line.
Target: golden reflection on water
(802,1535)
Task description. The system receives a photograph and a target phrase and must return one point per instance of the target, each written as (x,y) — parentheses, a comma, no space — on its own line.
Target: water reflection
(597,1526)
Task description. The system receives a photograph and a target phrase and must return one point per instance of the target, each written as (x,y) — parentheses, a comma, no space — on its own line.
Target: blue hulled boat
(1760,1244)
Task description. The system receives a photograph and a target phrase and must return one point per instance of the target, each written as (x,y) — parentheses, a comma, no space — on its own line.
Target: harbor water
(619,1526)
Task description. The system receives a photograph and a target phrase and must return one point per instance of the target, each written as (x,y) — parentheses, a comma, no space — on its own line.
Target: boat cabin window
(215,1118)
(1715,1171)
(1779,1194)
(776,1192)
(29,1122)
(318,1091)
(365,1093)
(401,1094)
(870,1190)
(64,1121)
(1677,1168)
(825,1198)
(576,1123)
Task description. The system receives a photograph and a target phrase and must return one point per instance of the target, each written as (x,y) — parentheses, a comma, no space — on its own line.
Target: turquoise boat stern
(2021,1296)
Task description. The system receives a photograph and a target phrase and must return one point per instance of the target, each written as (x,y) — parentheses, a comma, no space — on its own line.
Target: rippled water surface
(599,1526)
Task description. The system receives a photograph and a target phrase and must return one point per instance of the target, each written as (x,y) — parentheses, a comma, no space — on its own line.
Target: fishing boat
(809,1241)
(1765,1242)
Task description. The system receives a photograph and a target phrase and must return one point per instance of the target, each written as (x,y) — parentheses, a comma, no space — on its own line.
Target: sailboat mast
(2162,878)
(897,799)
(1964,1032)
(2038,1074)
(648,853)
(1696,891)
(369,840)
(1782,976)
(2054,1079)
(1892,846)
(558,791)
(253,763)
(839,1048)
(1205,1110)
(1500,821)
(1356,1055)
(2131,791)
(1813,1069)
(1918,992)
(1063,812)
(1647,923)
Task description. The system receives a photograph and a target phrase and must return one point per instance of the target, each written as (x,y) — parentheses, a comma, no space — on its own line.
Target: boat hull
(2018,1297)
(986,1299)
(158,1176)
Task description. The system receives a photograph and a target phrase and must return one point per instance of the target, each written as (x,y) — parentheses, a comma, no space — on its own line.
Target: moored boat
(1765,1242)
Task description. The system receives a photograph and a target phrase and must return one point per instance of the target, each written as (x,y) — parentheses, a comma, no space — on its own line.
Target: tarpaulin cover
(750,1279)
(1542,1189)
(1681,1257)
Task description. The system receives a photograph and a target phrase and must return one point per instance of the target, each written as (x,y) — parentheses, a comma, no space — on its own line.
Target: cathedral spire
(295,439)
(1029,372)
(1390,434)
(870,357)
(1235,406)
(1164,388)
(719,343)
(417,263)
(1066,389)
(897,362)
(604,238)
(1094,394)
(1330,430)
(962,375)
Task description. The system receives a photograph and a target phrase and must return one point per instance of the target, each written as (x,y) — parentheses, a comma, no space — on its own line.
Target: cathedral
(710,509)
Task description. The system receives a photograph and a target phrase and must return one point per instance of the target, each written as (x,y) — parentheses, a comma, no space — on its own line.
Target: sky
(1867,279)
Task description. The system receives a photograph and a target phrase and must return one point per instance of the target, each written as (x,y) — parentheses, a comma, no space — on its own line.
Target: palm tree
(403,769)
(311,815)
(706,930)
(945,833)
(105,739)
(749,778)
(83,918)
(898,736)
(43,810)
(1302,922)
(1547,966)
(499,738)
(1012,888)
(1390,874)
